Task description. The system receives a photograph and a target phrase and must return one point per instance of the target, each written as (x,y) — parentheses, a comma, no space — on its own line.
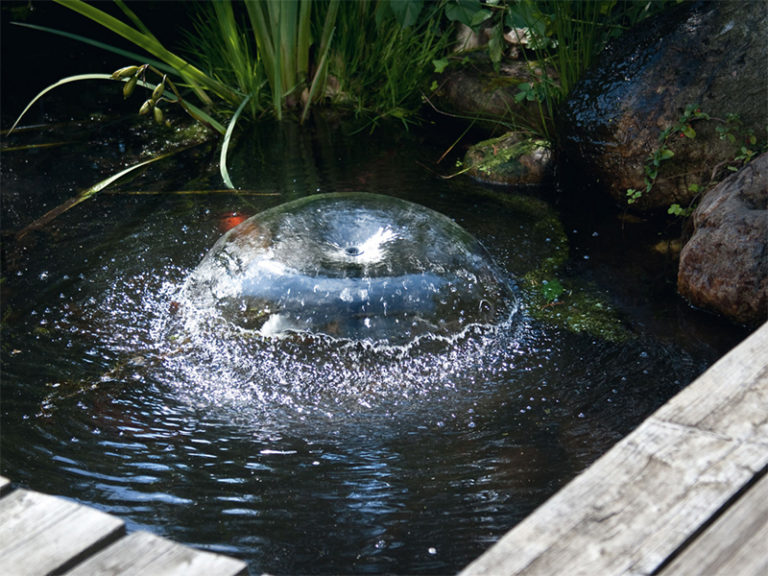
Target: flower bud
(146,107)
(158,115)
(129,86)
(125,72)
(159,89)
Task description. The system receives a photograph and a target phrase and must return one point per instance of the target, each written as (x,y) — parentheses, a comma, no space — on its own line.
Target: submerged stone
(353,266)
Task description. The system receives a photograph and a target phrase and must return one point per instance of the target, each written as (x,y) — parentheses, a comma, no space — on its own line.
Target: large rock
(724,266)
(709,54)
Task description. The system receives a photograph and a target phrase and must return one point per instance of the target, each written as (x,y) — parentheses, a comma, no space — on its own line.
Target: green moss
(549,296)
(570,304)
(509,159)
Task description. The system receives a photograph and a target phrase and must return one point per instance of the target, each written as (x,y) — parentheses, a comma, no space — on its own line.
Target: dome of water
(351,266)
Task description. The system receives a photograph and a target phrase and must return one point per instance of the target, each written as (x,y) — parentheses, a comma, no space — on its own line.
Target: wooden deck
(685,493)
(41,534)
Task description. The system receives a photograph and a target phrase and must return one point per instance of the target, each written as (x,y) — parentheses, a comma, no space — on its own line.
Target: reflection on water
(310,454)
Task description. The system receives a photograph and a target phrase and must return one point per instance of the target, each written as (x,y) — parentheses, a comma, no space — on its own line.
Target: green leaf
(496,45)
(406,11)
(666,154)
(469,12)
(677,210)
(225,144)
(198,80)
(90,192)
(440,64)
(689,131)
(198,114)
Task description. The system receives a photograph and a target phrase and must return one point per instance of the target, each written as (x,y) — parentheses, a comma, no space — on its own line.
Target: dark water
(367,460)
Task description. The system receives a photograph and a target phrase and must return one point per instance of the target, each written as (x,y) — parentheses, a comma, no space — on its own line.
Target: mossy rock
(570,305)
(472,87)
(508,160)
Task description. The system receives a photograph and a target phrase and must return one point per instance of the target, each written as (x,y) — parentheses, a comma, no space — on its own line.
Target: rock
(509,160)
(708,54)
(724,266)
(474,90)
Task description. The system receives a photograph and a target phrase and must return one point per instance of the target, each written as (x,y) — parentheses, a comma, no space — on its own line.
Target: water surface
(356,459)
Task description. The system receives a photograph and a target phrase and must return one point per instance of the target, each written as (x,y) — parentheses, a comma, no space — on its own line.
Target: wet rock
(724,266)
(550,295)
(509,160)
(707,54)
(475,90)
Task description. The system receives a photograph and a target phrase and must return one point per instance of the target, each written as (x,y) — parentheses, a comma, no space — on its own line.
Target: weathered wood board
(737,543)
(5,485)
(650,494)
(41,534)
(143,553)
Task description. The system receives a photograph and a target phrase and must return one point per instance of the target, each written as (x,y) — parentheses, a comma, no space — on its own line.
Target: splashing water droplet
(339,304)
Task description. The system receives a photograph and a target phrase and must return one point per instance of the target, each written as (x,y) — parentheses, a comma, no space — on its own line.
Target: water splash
(338,305)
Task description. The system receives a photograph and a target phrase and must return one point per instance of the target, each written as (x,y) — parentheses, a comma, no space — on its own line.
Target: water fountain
(351,266)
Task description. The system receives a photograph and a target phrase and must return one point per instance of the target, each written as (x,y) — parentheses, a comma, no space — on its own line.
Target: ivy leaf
(440,64)
(677,210)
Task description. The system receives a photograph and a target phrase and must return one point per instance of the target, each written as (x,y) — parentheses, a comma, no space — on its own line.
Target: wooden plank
(5,485)
(143,553)
(647,496)
(730,398)
(41,534)
(737,543)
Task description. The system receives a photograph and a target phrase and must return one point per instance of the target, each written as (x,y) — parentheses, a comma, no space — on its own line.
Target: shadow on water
(355,459)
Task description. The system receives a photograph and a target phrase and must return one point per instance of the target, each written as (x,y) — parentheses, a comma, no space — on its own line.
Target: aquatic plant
(372,55)
(269,56)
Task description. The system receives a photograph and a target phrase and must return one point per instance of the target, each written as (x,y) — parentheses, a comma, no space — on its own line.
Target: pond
(317,455)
